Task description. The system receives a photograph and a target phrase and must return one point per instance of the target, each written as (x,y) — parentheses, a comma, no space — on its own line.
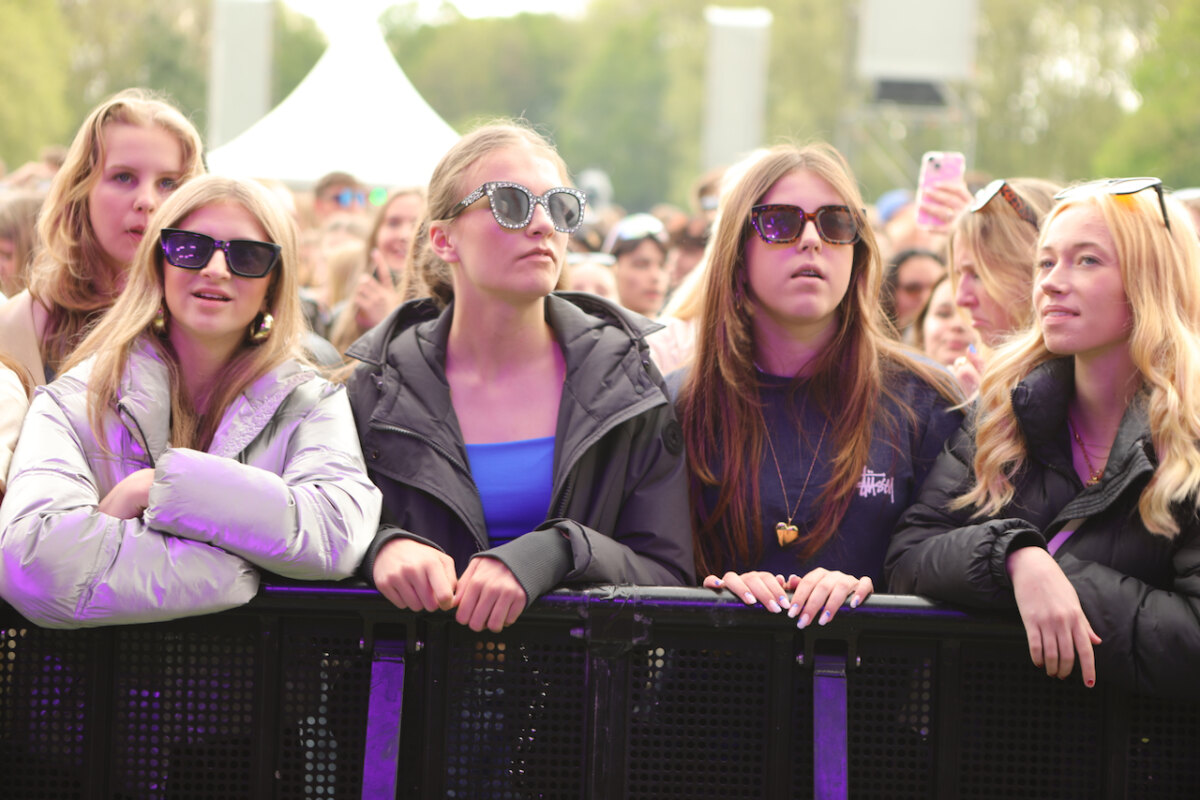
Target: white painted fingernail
(782,600)
(793,611)
(804,620)
(774,607)
(854,601)
(749,597)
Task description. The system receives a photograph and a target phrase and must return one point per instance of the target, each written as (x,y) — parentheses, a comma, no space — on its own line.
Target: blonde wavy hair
(1161,272)
(719,403)
(1003,246)
(129,321)
(69,276)
(425,274)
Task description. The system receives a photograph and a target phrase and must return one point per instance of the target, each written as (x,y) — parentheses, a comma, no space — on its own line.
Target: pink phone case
(937,166)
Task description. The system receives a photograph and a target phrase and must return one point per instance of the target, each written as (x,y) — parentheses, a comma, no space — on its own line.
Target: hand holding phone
(937,167)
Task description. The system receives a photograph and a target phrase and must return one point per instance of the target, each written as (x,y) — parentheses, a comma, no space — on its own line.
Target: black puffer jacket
(1140,591)
(619,508)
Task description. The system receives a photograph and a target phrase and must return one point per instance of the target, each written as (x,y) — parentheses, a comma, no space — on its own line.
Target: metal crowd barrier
(326,691)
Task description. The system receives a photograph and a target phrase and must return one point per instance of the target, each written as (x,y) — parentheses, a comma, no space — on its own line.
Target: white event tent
(356,111)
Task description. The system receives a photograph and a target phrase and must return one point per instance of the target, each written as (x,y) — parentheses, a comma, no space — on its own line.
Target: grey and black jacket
(619,509)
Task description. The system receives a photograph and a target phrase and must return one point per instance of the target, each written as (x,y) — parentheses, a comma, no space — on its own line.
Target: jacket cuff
(1008,543)
(539,560)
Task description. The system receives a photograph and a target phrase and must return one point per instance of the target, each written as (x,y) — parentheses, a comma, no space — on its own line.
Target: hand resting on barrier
(820,587)
(418,577)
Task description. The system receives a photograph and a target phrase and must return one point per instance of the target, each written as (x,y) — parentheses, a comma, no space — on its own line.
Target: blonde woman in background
(375,290)
(991,264)
(131,153)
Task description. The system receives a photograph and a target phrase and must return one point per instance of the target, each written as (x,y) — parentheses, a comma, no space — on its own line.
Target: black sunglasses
(778,223)
(1119,186)
(244,257)
(1000,187)
(512,205)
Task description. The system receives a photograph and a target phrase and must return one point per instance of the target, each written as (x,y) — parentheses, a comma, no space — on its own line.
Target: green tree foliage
(1051,82)
(1160,138)
(613,116)
(64,57)
(299,44)
(162,46)
(34,110)
(473,69)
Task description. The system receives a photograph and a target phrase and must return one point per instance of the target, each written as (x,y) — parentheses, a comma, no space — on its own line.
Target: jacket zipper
(565,497)
(568,486)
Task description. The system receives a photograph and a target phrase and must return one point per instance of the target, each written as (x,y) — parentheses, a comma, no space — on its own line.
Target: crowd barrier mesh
(604,693)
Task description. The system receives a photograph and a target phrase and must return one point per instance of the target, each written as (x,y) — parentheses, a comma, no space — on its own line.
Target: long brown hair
(117,333)
(719,403)
(69,276)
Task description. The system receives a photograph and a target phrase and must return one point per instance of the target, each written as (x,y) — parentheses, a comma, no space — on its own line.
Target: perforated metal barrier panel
(599,694)
(224,707)
(699,718)
(514,722)
(46,689)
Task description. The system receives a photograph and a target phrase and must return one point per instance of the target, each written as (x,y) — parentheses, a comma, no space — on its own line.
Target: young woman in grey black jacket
(521,440)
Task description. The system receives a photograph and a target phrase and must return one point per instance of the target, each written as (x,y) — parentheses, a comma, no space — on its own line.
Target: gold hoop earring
(260,329)
(159,323)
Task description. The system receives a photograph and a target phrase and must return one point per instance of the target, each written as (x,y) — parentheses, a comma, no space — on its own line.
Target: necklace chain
(788,532)
(1094,475)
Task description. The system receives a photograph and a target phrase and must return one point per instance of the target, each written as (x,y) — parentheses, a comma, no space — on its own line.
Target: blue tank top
(515,481)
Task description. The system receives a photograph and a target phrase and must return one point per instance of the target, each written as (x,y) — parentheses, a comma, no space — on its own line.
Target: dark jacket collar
(1040,404)
(565,311)
(609,376)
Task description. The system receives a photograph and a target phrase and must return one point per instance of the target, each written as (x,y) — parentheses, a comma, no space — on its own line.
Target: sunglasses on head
(1119,186)
(630,232)
(1001,187)
(513,204)
(779,223)
(244,257)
